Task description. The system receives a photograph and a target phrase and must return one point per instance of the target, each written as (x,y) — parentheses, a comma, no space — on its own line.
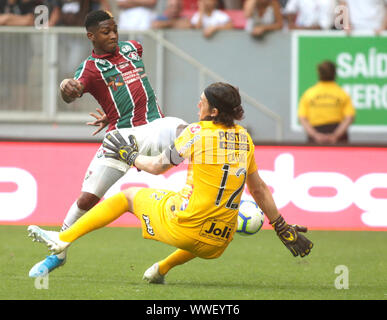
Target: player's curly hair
(95,17)
(227,100)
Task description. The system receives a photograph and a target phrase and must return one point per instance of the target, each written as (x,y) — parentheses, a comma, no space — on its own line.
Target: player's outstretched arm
(117,148)
(290,235)
(154,165)
(262,196)
(71,89)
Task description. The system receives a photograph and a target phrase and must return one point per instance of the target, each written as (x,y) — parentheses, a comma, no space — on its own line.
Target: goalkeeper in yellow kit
(201,219)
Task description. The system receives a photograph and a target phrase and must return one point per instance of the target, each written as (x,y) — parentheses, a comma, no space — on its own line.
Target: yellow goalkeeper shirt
(220,159)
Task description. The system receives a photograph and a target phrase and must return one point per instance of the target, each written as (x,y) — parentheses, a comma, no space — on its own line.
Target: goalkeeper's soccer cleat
(49,238)
(152,275)
(44,267)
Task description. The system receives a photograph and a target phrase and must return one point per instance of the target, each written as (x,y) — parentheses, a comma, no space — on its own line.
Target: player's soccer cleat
(49,238)
(152,275)
(44,267)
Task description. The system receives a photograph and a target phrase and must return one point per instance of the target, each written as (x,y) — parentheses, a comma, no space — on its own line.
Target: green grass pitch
(109,264)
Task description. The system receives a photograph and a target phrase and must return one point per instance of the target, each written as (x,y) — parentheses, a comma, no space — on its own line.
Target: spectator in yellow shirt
(325,110)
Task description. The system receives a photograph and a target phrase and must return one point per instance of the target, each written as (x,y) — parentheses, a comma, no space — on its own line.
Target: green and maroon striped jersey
(120,85)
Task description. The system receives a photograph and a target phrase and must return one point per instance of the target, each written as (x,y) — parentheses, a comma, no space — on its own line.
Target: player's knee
(131,192)
(87,200)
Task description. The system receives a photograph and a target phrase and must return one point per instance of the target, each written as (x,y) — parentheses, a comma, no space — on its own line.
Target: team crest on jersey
(195,128)
(134,56)
(126,49)
(114,82)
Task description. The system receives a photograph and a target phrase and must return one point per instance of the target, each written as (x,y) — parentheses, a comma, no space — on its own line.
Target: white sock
(63,254)
(73,215)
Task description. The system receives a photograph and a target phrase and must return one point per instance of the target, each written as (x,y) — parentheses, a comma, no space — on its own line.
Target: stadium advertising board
(327,188)
(361,62)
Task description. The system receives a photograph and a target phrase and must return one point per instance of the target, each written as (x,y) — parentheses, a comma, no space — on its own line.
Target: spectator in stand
(171,17)
(310,14)
(366,15)
(73,12)
(136,14)
(262,16)
(17,12)
(100,5)
(231,4)
(70,12)
(283,3)
(384,23)
(210,19)
(72,47)
(325,110)
(54,9)
(16,69)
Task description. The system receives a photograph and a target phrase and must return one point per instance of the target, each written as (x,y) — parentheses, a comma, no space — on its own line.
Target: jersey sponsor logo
(123,65)
(195,128)
(233,140)
(188,144)
(149,228)
(133,75)
(114,82)
(233,135)
(217,230)
(234,146)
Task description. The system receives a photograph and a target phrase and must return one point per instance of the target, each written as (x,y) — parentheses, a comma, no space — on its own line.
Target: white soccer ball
(250,218)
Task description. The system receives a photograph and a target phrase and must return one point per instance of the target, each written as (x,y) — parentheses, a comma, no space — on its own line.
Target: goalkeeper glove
(290,235)
(122,151)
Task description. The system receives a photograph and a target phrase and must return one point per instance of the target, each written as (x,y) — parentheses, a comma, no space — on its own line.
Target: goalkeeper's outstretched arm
(262,196)
(290,235)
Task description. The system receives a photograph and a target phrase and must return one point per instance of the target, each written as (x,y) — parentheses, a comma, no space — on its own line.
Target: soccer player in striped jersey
(114,74)
(201,219)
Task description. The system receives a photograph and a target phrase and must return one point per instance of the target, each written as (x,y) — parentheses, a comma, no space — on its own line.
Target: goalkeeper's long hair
(227,100)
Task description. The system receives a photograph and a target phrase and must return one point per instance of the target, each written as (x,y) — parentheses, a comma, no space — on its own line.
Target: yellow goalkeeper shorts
(158,223)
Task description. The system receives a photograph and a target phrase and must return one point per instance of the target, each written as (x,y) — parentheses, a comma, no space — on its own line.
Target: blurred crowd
(257,17)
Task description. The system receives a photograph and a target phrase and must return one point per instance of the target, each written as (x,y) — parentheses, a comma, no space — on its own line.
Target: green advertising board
(361,62)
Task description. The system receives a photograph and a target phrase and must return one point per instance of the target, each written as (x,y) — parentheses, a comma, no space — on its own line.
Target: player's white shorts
(152,139)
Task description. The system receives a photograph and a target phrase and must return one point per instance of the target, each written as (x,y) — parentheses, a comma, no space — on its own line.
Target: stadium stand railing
(32,95)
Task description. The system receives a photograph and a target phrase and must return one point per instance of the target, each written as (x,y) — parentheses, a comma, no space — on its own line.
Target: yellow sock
(97,217)
(178,257)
